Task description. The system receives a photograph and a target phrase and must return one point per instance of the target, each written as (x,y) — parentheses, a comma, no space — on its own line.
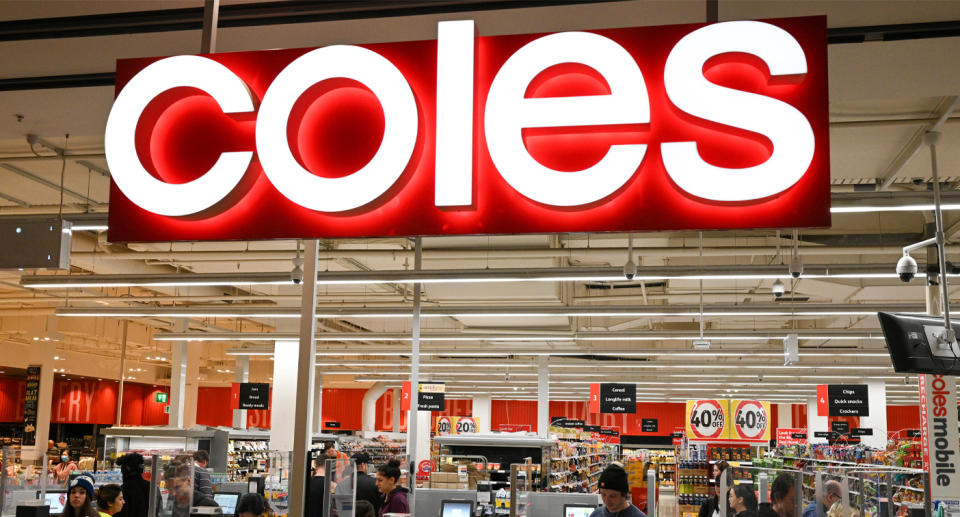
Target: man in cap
(615,493)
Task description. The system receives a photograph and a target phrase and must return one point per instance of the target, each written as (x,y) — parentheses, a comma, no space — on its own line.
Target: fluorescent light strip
(292,313)
(902,208)
(485,338)
(89,228)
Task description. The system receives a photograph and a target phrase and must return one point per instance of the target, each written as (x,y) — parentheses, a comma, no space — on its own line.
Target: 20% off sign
(750,419)
(707,419)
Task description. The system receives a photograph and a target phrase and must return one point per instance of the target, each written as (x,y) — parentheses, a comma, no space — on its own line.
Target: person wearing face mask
(109,500)
(63,469)
(80,498)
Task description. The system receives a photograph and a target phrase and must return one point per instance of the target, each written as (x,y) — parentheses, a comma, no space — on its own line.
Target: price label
(751,420)
(707,419)
(466,425)
(444,426)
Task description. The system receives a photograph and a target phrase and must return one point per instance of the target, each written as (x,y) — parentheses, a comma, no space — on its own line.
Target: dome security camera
(796,267)
(906,268)
(629,269)
(296,275)
(778,288)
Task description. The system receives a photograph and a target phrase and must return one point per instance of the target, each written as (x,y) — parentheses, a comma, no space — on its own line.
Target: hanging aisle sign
(431,396)
(613,398)
(940,441)
(708,419)
(718,126)
(751,420)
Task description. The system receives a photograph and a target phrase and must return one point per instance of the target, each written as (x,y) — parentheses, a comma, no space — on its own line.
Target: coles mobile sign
(654,128)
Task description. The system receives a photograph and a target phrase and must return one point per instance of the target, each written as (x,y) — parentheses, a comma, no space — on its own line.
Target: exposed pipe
(913,146)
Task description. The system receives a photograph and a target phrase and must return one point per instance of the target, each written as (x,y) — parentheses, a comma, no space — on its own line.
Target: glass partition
(21,484)
(340,488)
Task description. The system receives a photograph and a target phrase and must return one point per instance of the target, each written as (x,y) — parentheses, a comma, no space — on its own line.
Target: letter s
(787,128)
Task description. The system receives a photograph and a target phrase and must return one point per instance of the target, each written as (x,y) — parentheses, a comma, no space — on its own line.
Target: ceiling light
(902,208)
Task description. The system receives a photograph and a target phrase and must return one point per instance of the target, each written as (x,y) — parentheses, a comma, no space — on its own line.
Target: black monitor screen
(456,509)
(913,344)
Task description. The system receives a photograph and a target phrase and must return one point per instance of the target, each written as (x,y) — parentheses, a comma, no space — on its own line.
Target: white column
(877,402)
(191,391)
(318,404)
(482,411)
(178,376)
(241,374)
(305,368)
(396,409)
(785,415)
(815,422)
(370,405)
(543,396)
(284,395)
(41,354)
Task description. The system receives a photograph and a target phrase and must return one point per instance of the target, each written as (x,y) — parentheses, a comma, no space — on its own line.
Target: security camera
(296,275)
(629,269)
(759,378)
(796,267)
(906,268)
(778,288)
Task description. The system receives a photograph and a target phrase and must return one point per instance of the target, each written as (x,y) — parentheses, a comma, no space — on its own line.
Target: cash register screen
(227,501)
(456,509)
(578,510)
(55,499)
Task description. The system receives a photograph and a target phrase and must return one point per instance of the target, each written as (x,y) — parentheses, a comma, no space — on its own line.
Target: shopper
(366,485)
(395,496)
(201,477)
(615,493)
(711,507)
(831,495)
(743,501)
(80,498)
(252,505)
(317,489)
(61,472)
(782,498)
(365,509)
(109,500)
(331,452)
(182,494)
(136,490)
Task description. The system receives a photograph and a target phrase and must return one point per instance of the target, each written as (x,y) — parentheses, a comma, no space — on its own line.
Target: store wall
(384,420)
(12,392)
(215,409)
(88,401)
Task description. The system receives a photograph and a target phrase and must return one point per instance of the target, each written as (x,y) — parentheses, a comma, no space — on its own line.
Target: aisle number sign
(751,420)
(456,425)
(708,419)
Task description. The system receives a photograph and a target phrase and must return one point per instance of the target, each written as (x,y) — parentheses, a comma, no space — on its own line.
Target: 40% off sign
(750,420)
(706,419)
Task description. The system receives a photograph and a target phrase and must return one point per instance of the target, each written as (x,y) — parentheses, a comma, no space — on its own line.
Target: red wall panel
(799,416)
(384,421)
(214,407)
(12,392)
(900,418)
(513,415)
(84,401)
(345,406)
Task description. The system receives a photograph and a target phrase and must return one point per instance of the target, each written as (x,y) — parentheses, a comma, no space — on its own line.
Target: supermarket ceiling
(892,76)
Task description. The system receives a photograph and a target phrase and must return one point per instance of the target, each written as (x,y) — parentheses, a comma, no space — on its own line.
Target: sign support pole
(303,415)
(414,379)
(123,370)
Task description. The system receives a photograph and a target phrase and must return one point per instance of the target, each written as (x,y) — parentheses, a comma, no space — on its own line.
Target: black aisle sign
(254,395)
(30,404)
(861,431)
(610,432)
(914,433)
(432,396)
(618,398)
(848,400)
(649,425)
(591,428)
(798,436)
(569,423)
(840,427)
(332,425)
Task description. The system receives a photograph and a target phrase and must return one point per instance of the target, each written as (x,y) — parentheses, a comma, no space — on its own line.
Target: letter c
(128,172)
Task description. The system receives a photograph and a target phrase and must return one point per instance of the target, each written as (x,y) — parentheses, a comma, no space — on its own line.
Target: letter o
(128,172)
(939,383)
(940,443)
(381,172)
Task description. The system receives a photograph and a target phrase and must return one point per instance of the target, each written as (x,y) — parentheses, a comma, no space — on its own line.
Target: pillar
(241,375)
(178,376)
(317,426)
(877,403)
(370,405)
(397,394)
(785,415)
(41,354)
(482,412)
(191,391)
(285,354)
(543,396)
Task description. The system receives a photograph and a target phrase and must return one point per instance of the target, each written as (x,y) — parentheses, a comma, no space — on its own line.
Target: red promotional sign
(718,126)
(405,396)
(791,436)
(595,397)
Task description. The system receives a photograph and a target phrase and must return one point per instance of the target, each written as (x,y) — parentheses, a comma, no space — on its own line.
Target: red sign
(424,468)
(823,407)
(595,397)
(716,126)
(791,436)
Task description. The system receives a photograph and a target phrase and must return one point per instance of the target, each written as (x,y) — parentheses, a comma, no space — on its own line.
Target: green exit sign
(161,397)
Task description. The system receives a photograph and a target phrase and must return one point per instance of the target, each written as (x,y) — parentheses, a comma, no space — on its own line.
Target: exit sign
(161,397)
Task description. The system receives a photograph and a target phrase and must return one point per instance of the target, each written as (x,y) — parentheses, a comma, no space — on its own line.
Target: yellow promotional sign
(751,420)
(708,419)
(456,425)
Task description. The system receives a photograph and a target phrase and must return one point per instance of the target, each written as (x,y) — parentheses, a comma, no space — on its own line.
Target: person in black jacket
(366,484)
(183,496)
(782,498)
(711,507)
(743,501)
(136,490)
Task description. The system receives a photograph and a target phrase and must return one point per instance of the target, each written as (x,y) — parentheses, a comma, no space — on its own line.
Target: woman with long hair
(80,498)
(395,496)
